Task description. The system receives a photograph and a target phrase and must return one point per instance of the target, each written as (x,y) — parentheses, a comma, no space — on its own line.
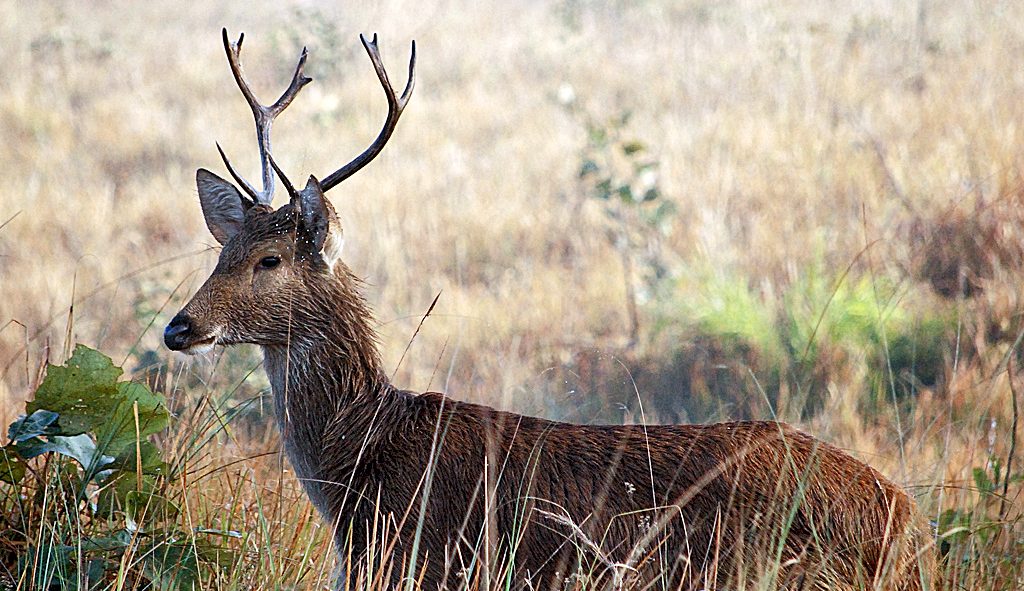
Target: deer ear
(223,206)
(318,222)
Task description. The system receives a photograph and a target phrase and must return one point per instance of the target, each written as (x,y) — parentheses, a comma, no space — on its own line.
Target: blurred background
(660,211)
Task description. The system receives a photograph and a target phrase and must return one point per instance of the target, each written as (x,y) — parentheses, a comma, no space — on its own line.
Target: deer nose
(177,332)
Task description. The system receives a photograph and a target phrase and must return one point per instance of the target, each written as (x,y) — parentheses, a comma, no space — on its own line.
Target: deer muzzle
(180,335)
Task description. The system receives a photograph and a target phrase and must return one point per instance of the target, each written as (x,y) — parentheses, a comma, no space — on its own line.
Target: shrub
(86,500)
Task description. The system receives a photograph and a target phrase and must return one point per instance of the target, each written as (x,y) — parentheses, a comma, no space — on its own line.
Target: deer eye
(269,262)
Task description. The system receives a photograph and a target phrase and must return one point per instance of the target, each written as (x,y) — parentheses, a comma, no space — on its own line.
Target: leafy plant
(618,171)
(978,527)
(88,489)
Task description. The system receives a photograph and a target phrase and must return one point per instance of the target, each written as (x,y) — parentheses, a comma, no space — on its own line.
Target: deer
(474,496)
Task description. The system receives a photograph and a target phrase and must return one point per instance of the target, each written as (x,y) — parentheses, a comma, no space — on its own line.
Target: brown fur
(689,506)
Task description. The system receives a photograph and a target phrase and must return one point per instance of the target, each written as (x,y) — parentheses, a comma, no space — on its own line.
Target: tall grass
(845,185)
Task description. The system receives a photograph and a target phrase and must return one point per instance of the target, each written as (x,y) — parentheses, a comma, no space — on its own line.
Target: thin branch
(1013,439)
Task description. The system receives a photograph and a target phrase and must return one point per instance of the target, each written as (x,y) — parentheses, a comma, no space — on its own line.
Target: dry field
(835,235)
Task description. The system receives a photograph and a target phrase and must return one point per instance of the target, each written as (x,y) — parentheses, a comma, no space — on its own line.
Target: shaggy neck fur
(328,383)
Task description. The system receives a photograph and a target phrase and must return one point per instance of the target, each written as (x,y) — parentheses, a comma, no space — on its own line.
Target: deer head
(276,266)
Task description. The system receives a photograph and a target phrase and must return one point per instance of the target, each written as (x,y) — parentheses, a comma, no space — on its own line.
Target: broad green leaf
(115,488)
(31,448)
(97,571)
(213,554)
(87,397)
(103,544)
(41,422)
(80,448)
(12,467)
(119,430)
(172,566)
(70,477)
(176,565)
(148,508)
(120,540)
(152,463)
(83,391)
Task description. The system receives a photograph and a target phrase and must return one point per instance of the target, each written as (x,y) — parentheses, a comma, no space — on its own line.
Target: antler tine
(298,81)
(396,104)
(284,179)
(264,115)
(249,190)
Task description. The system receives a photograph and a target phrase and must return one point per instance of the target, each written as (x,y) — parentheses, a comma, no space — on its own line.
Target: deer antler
(396,105)
(264,116)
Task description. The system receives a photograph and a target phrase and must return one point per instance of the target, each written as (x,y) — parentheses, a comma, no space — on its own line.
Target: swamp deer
(453,494)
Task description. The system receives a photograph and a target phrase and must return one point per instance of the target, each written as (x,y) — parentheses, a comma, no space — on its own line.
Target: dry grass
(790,137)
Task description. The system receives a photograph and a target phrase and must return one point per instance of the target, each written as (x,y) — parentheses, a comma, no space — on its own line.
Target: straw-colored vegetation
(662,210)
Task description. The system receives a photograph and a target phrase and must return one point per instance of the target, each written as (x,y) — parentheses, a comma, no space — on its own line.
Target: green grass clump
(733,349)
(866,326)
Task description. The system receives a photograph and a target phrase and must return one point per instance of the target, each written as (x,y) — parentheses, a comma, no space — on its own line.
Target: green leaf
(224,533)
(115,488)
(70,477)
(662,213)
(589,167)
(954,526)
(625,192)
(119,541)
(633,147)
(152,463)
(171,566)
(80,448)
(218,555)
(12,467)
(982,481)
(119,430)
(176,565)
(83,391)
(97,571)
(41,422)
(148,508)
(87,397)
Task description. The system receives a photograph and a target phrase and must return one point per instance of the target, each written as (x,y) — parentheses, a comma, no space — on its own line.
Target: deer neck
(327,380)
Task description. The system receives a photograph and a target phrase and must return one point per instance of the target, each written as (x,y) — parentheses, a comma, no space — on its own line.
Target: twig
(10,219)
(1013,439)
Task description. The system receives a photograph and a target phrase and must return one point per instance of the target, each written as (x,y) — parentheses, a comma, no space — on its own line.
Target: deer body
(677,501)
(464,490)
